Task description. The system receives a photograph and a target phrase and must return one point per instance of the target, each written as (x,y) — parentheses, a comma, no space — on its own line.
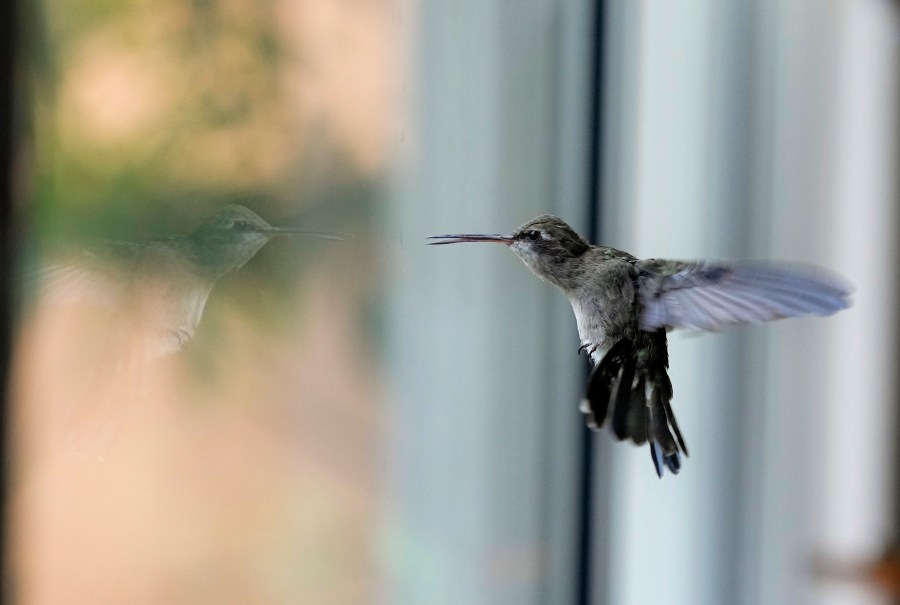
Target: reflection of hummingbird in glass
(624,307)
(164,283)
(122,305)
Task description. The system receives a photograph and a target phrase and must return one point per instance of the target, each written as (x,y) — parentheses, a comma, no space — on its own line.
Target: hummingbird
(164,283)
(133,304)
(624,307)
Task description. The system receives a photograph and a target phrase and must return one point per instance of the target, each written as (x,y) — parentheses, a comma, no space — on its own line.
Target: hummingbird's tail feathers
(600,385)
(623,417)
(664,448)
(660,458)
(670,415)
(635,397)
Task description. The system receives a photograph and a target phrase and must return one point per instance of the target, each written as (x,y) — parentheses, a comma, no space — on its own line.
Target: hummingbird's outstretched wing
(97,275)
(156,292)
(706,295)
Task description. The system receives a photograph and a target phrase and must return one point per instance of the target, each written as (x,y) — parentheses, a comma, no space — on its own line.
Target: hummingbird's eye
(533,235)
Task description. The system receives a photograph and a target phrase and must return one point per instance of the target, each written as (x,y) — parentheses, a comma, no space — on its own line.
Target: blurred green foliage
(149,115)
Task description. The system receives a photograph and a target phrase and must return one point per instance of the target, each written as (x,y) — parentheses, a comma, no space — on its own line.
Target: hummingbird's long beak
(274,231)
(456,239)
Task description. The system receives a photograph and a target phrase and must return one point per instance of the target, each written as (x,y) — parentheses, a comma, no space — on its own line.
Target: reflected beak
(274,231)
(456,239)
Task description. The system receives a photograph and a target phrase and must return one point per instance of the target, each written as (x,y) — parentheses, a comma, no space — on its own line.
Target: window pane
(196,420)
(209,408)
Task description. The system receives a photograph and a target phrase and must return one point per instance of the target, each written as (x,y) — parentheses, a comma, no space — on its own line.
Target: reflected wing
(153,292)
(701,295)
(98,276)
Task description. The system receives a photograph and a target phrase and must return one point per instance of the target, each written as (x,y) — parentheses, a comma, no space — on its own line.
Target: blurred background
(375,421)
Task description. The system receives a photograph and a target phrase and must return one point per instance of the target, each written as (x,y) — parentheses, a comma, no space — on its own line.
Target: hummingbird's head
(545,244)
(234,234)
(231,237)
(234,218)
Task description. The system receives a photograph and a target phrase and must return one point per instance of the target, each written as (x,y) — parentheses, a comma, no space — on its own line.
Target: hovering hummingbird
(164,283)
(624,307)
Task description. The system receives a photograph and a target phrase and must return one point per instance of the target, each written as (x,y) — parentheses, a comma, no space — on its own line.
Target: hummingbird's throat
(545,267)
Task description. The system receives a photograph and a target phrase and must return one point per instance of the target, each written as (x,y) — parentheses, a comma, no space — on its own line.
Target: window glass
(195,406)
(240,376)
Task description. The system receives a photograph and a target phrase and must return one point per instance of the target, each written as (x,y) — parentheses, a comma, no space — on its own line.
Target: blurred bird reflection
(210,474)
(136,302)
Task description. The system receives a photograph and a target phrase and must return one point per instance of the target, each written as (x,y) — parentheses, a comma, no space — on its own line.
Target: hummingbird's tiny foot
(589,348)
